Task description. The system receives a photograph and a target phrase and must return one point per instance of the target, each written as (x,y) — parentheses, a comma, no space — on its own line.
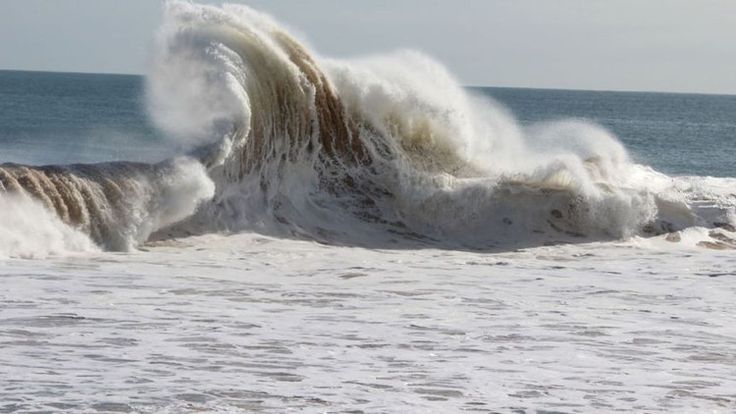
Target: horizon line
(476,86)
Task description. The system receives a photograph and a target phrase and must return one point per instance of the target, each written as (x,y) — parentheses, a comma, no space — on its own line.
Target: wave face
(380,150)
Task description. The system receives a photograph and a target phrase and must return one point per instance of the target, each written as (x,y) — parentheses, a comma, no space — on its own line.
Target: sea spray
(380,147)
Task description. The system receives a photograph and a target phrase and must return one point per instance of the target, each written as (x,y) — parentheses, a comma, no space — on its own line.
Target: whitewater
(361,235)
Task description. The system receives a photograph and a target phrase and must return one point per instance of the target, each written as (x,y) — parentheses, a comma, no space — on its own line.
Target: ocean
(249,228)
(52,118)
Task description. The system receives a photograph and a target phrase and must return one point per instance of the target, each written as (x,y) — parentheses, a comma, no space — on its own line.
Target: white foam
(247,323)
(29,230)
(173,196)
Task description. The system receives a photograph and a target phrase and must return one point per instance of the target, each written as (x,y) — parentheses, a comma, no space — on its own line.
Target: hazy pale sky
(655,45)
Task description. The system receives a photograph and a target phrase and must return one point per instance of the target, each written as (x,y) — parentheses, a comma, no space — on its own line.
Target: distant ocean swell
(383,150)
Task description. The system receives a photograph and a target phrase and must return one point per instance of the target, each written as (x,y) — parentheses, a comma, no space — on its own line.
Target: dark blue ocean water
(63,118)
(69,117)
(682,134)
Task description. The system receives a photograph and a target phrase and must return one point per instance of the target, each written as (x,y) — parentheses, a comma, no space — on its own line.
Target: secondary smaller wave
(118,205)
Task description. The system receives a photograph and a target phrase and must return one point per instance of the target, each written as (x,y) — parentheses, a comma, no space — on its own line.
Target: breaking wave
(380,150)
(118,205)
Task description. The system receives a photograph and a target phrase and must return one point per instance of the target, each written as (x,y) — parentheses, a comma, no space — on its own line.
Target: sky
(650,45)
